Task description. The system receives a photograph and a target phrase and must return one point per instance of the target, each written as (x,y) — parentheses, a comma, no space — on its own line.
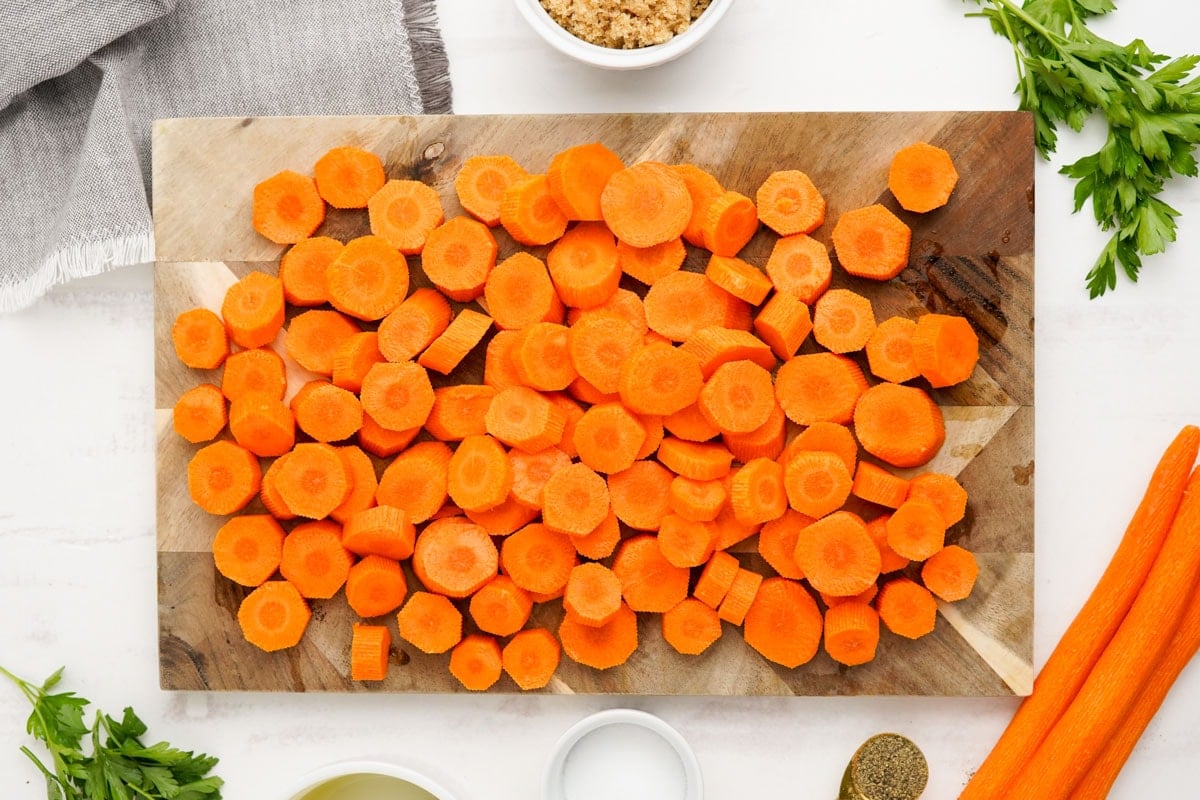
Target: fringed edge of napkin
(429,56)
(83,258)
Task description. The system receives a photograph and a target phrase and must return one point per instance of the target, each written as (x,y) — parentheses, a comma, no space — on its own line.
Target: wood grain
(974,257)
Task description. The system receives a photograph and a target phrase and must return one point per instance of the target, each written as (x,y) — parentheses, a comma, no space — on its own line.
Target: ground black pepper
(888,766)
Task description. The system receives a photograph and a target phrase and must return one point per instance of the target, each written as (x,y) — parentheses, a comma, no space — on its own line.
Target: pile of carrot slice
(624,443)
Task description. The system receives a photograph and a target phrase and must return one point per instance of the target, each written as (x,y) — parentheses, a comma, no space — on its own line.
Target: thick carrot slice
(640,495)
(946,494)
(648,265)
(648,581)
(531,657)
(777,543)
(821,387)
(741,279)
(916,529)
(223,477)
(501,607)
(274,616)
(703,188)
(784,323)
(907,608)
(247,549)
(817,482)
(890,350)
(608,438)
(603,647)
(315,336)
(447,351)
(573,413)
(403,213)
(729,529)
(921,177)
(199,414)
(430,622)
(899,424)
(828,437)
(788,203)
(716,578)
(653,425)
(314,560)
(532,470)
(353,359)
(599,346)
(347,177)
(865,596)
(698,501)
(740,597)
(375,586)
(851,633)
(877,485)
(684,542)
(519,292)
(646,204)
(783,624)
(329,413)
(458,411)
(730,222)
(541,357)
(522,418)
(287,207)
(269,494)
(738,398)
(716,346)
(475,661)
(397,396)
(945,349)
(577,176)
(481,183)
(889,559)
(800,266)
(659,379)
(529,214)
(837,555)
(538,558)
(692,425)
(766,441)
(253,310)
(575,500)
(479,475)
(380,441)
(950,573)
(623,304)
(302,270)
(501,520)
(682,303)
(872,242)
(457,257)
(200,339)
(414,324)
(368,279)
(757,493)
(370,646)
(314,481)
(583,265)
(585,392)
(262,424)
(601,541)
(701,461)
(454,557)
(691,627)
(593,594)
(844,321)
(380,531)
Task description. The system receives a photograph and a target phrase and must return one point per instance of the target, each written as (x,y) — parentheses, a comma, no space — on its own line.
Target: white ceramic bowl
(612,58)
(312,784)
(554,779)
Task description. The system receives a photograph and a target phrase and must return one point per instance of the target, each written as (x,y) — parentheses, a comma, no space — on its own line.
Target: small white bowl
(555,779)
(309,787)
(613,58)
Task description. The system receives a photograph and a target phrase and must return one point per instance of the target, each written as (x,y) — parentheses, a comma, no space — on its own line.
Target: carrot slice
(757,493)
(505,518)
(877,485)
(716,578)
(865,596)
(481,183)
(454,557)
(684,542)
(475,661)
(397,396)
(369,649)
(691,627)
(302,270)
(945,349)
(375,586)
(573,413)
(353,358)
(851,633)
(646,204)
(519,293)
(529,214)
(872,243)
(890,350)
(601,541)
(729,223)
(648,581)
(522,418)
(899,424)
(414,325)
(946,494)
(447,351)
(223,477)
(200,339)
(783,624)
(314,481)
(715,346)
(274,616)
(649,265)
(458,411)
(314,560)
(199,414)
(653,426)
(577,176)
(329,413)
(692,425)
(457,257)
(821,387)
(800,266)
(766,441)
(703,188)
(541,357)
(599,346)
(623,304)
(531,657)
(379,441)
(698,501)
(479,475)
(740,597)
(916,529)
(817,482)
(907,608)
(682,303)
(315,336)
(499,363)
(837,555)
(950,573)
(921,177)
(784,323)
(844,321)
(738,398)
(742,280)
(403,213)
(380,531)
(538,558)
(593,594)
(603,647)
(889,559)
(640,495)
(347,177)
(262,424)
(608,438)
(253,310)
(777,543)
(269,494)
(575,500)
(500,606)
(247,549)
(828,437)
(659,379)
(430,622)
(699,461)
(368,279)
(583,265)
(788,203)
(287,207)
(729,529)
(532,470)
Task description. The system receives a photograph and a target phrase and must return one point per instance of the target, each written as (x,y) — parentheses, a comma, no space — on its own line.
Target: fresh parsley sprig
(1065,74)
(119,766)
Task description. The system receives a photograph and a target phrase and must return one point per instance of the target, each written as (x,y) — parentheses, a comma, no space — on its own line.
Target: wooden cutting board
(974,257)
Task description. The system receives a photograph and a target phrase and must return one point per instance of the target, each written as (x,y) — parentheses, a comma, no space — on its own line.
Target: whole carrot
(1090,632)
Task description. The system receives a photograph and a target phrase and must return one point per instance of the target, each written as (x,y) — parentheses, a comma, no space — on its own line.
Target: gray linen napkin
(82,80)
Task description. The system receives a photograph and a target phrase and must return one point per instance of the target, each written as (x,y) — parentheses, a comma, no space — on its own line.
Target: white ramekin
(342,769)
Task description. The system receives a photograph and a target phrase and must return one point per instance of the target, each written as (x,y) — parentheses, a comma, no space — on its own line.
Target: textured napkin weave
(81,81)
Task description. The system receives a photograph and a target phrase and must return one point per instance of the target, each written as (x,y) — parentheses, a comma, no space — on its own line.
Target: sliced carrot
(916,529)
(287,207)
(538,558)
(253,310)
(541,357)
(575,500)
(583,265)
(314,560)
(716,578)
(369,649)
(458,411)
(599,346)
(380,531)
(828,437)
(844,321)
(640,495)
(518,292)
(329,414)
(262,424)
(414,325)
(531,657)
(347,177)
(757,492)
(646,204)
(475,662)
(715,346)
(223,477)
(738,398)
(877,485)
(890,350)
(684,542)
(454,557)
(872,243)
(430,622)
(784,323)
(500,607)
(397,396)
(766,441)
(697,501)
(648,581)
(945,349)
(740,279)
(899,424)
(529,214)
(907,608)
(851,633)
(200,414)
(783,623)
(608,438)
(730,222)
(740,597)
(946,494)
(837,555)
(623,304)
(682,303)
(690,424)
(703,188)
(777,543)
(269,493)
(375,586)
(532,470)
(865,596)
(593,594)
(457,257)
(601,541)
(479,475)
(921,177)
(705,461)
(603,647)
(659,379)
(447,351)
(302,270)
(799,266)
(577,176)
(585,392)
(691,627)
(403,213)
(481,183)
(889,559)
(648,265)
(200,339)
(353,358)
(821,387)
(729,529)
(950,573)
(368,279)
(523,418)
(315,336)
(247,549)
(789,203)
(383,442)
(499,364)
(653,426)
(572,412)
(501,520)
(274,616)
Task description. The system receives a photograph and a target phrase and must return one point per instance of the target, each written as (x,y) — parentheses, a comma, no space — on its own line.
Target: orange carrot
(457,257)
(247,549)
(828,437)
(738,398)
(646,204)
(682,303)
(499,365)
(640,495)
(447,351)
(375,586)
(253,310)
(730,222)
(458,411)
(716,578)
(865,596)
(691,425)
(500,607)
(698,501)
(653,426)
(601,541)
(766,441)
(945,349)
(454,557)
(475,661)
(380,531)
(370,646)
(430,622)
(583,265)
(946,494)
(522,418)
(269,494)
(532,470)
(821,387)
(799,266)
(575,500)
(314,481)
(302,270)
(757,493)
(623,304)
(907,608)
(368,279)
(199,414)
(599,346)
(648,265)
(729,529)
(740,279)
(648,581)
(200,339)
(877,485)
(871,242)
(572,412)
(691,627)
(916,530)
(353,358)
(585,392)
(593,594)
(538,558)
(382,442)
(287,207)
(921,177)
(603,647)
(329,414)
(837,555)
(608,438)
(716,346)
(843,321)
(817,482)
(577,176)
(481,183)
(314,560)
(899,424)
(788,203)
(890,350)
(659,379)
(531,657)
(685,543)
(346,177)
(541,357)
(703,188)
(505,518)
(740,597)
(262,424)
(397,396)
(414,325)
(777,543)
(518,292)
(315,336)
(783,623)
(889,559)
(950,573)
(528,212)
(479,475)
(363,484)
(851,633)
(784,323)
(403,213)
(273,616)
(223,477)
(698,461)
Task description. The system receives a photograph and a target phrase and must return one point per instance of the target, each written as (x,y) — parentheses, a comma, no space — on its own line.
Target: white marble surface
(1115,379)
